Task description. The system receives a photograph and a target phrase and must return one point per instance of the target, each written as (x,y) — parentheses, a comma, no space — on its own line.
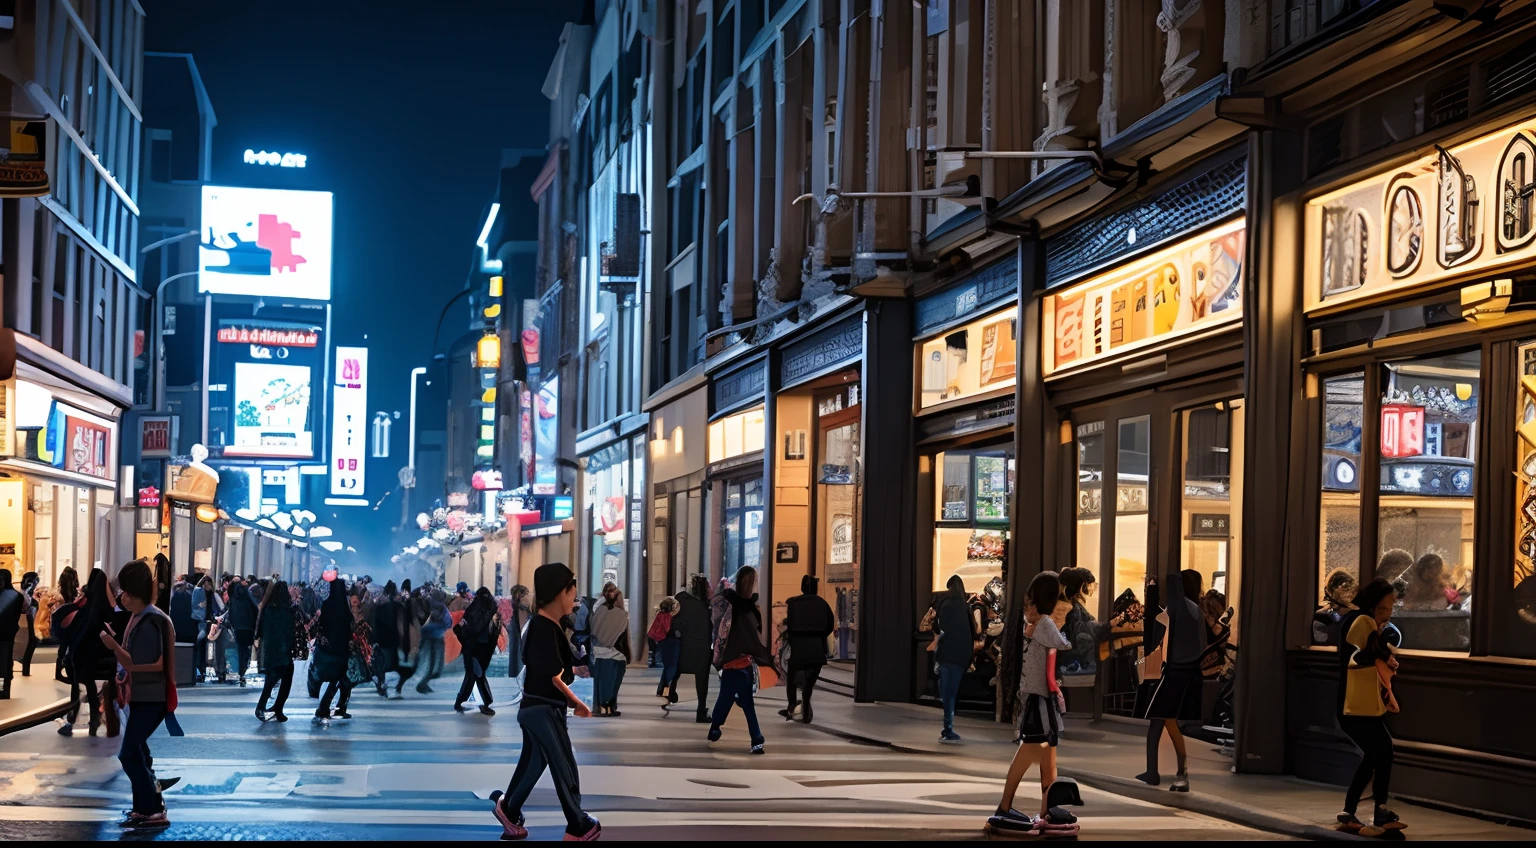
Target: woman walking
(739,652)
(89,660)
(954,648)
(242,619)
(549,661)
(432,634)
(610,650)
(26,642)
(147,659)
(333,648)
(1176,697)
(694,651)
(278,624)
(386,636)
(810,622)
(1041,705)
(665,644)
(477,632)
(1366,666)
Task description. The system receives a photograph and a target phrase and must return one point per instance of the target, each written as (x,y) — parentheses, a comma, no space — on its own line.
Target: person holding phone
(147,665)
(549,663)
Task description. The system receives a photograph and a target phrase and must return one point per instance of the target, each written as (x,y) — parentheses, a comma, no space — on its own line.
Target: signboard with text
(349,422)
(157,436)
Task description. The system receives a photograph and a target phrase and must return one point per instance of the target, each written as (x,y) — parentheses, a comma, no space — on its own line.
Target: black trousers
(26,657)
(1369,733)
(81,678)
(283,676)
(343,686)
(546,744)
(810,674)
(474,676)
(701,687)
(136,759)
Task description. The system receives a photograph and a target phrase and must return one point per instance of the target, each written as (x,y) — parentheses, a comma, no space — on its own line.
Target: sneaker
(459,708)
(757,749)
(261,714)
(342,715)
(279,718)
(714,733)
(66,729)
(1180,783)
(1012,823)
(949,736)
(1348,822)
(487,711)
(1388,820)
(702,717)
(511,827)
(321,718)
(424,690)
(594,833)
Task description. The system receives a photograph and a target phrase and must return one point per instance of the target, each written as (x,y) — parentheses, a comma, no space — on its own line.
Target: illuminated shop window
(967,361)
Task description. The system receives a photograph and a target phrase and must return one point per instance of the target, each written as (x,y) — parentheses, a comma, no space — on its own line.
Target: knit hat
(549,580)
(464,587)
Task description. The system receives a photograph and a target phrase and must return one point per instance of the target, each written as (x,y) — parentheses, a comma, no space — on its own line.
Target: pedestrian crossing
(402,766)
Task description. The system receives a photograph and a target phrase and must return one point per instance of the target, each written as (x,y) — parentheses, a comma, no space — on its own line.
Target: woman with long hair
(69,584)
(276,622)
(1177,695)
(477,632)
(692,621)
(738,652)
(1366,666)
(333,647)
(610,632)
(89,660)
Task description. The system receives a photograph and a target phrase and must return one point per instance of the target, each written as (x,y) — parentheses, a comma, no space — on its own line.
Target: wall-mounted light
(496,283)
(488,351)
(207,513)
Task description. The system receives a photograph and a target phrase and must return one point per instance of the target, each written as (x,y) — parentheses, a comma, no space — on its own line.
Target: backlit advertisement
(263,242)
(79,442)
(349,422)
(272,411)
(546,438)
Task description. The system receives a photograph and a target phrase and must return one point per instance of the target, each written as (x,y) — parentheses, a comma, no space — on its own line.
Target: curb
(33,719)
(1135,789)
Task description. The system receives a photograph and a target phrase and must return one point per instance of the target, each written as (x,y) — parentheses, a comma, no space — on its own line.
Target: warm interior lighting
(489,351)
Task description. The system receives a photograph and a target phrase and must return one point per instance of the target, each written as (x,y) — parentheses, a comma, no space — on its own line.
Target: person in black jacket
(478,631)
(242,620)
(89,660)
(809,621)
(386,637)
(11,610)
(332,648)
(27,642)
(276,622)
(955,648)
(692,621)
(1177,695)
(738,624)
(181,611)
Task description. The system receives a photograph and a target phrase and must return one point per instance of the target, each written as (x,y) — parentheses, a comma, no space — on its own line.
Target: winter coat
(242,610)
(386,633)
(277,635)
(692,621)
(810,622)
(181,613)
(738,625)
(957,632)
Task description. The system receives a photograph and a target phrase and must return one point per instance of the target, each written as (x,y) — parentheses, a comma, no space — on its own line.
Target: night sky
(403,109)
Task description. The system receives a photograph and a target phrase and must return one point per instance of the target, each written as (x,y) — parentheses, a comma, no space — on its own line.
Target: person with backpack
(739,654)
(668,645)
(808,622)
(477,632)
(147,683)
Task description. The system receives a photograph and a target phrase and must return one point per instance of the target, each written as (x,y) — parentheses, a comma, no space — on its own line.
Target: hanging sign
(349,422)
(24,159)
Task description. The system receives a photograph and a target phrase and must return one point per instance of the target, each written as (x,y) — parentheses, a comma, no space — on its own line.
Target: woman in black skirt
(1176,695)
(1041,706)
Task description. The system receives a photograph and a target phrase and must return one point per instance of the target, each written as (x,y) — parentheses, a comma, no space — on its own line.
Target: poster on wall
(80,442)
(999,358)
(261,242)
(992,487)
(1189,286)
(546,438)
(272,411)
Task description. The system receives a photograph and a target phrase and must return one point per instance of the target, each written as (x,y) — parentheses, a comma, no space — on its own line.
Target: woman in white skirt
(1041,706)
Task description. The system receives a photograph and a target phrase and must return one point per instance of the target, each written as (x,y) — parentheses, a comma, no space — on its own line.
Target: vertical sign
(349,422)
(1402,431)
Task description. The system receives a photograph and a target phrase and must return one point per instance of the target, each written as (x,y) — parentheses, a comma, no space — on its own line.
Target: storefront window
(1090,493)
(1525,488)
(1213,484)
(1131,502)
(736,435)
(1339,522)
(976,358)
(836,474)
(1425,517)
(971,528)
(743,524)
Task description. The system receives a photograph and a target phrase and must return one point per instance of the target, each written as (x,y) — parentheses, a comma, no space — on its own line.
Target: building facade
(72,301)
(984,289)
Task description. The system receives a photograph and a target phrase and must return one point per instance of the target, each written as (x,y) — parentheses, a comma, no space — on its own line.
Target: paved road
(414,769)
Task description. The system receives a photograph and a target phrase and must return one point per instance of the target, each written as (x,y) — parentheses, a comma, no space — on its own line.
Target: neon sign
(280,160)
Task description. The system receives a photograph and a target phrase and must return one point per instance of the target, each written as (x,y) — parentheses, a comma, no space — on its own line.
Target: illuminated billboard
(272,411)
(262,242)
(349,422)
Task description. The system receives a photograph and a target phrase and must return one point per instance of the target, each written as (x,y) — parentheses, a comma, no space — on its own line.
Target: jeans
(607,675)
(736,688)
(282,675)
(950,675)
(547,744)
(431,661)
(1369,733)
(811,673)
(138,763)
(344,686)
(667,652)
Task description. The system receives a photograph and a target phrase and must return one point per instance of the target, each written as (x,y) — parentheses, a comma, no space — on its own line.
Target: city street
(413,769)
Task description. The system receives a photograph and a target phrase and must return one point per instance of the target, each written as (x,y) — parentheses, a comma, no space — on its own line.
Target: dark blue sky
(403,109)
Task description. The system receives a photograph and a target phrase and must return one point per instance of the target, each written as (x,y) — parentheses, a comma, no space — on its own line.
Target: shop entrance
(1159,488)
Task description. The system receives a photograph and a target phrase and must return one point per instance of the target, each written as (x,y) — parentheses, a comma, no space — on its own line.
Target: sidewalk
(34,699)
(1106,756)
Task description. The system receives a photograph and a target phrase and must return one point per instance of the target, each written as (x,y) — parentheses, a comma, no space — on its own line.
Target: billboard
(546,438)
(349,422)
(262,242)
(272,411)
